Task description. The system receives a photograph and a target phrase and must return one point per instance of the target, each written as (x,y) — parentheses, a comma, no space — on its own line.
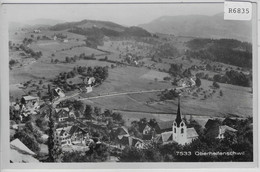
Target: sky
(124,14)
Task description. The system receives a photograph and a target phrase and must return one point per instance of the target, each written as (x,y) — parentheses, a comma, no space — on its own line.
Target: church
(180,133)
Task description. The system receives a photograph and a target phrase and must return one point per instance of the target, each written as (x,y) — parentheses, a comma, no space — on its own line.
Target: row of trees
(29,51)
(235,78)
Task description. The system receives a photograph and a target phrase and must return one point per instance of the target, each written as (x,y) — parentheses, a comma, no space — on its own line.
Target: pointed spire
(178,117)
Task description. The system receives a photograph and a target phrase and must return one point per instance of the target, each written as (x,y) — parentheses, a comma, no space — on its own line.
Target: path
(126,93)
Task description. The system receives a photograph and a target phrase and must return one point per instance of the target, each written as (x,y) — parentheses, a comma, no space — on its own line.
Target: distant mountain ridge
(201,26)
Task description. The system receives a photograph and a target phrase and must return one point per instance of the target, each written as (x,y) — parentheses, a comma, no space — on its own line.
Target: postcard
(122,83)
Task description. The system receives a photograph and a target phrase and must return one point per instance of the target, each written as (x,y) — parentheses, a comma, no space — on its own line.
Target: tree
(221,93)
(39,94)
(14,114)
(107,113)
(198,82)
(51,137)
(67,60)
(88,112)
(152,122)
(215,84)
(117,116)
(28,139)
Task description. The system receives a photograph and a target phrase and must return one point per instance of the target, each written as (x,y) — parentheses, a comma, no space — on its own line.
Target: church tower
(179,128)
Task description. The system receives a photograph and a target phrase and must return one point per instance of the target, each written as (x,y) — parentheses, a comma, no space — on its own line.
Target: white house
(37,31)
(223,129)
(62,136)
(59,92)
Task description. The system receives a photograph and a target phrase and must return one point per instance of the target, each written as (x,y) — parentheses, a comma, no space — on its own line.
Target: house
(62,114)
(75,114)
(180,133)
(58,92)
(215,129)
(65,40)
(90,81)
(71,135)
(147,129)
(30,101)
(20,153)
(62,136)
(148,132)
(181,83)
(120,132)
(55,38)
(223,129)
(86,89)
(131,141)
(78,134)
(37,31)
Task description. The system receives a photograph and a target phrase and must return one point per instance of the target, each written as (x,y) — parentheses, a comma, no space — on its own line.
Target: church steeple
(178,117)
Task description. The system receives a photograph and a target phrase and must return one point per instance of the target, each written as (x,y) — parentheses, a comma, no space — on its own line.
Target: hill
(228,51)
(201,26)
(88,24)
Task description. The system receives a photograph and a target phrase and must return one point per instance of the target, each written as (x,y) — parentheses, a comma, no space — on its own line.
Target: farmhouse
(180,133)
(30,101)
(62,114)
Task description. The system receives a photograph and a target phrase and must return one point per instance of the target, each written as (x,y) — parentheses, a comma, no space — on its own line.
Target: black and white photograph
(129,82)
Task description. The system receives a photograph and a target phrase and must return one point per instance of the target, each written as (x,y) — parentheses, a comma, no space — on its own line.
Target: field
(236,101)
(133,82)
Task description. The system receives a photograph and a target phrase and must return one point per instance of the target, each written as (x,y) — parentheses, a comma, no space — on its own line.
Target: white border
(4,93)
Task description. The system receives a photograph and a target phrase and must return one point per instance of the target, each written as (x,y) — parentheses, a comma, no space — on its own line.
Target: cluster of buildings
(172,131)
(62,39)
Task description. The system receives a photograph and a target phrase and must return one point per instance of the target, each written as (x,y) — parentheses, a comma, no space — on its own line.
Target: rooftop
(18,145)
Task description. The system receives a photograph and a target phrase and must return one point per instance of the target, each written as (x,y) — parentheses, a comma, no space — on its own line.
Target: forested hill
(227,51)
(100,29)
(88,24)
